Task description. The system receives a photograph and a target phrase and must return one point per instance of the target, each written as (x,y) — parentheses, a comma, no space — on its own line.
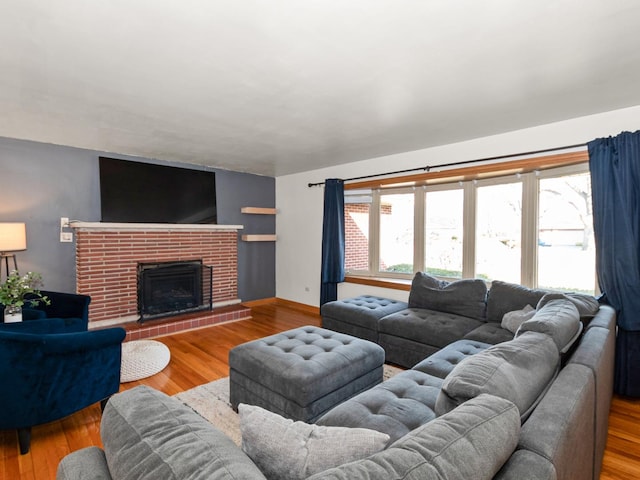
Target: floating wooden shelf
(259,210)
(259,238)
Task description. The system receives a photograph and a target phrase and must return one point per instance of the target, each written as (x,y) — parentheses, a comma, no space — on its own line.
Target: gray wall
(41,183)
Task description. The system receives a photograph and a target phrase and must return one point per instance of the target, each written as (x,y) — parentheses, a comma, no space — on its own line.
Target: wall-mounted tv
(136,192)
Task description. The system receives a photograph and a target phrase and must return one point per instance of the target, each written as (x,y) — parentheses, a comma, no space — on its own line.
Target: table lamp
(13,238)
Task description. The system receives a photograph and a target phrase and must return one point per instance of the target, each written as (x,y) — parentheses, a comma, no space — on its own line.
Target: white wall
(299,220)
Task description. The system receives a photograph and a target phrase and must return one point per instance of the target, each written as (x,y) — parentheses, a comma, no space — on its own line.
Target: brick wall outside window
(356,218)
(356,236)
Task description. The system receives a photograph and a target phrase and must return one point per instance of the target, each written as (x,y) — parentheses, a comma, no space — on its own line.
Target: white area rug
(211,401)
(143,358)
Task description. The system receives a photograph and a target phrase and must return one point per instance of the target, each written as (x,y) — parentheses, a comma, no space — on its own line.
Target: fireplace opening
(172,288)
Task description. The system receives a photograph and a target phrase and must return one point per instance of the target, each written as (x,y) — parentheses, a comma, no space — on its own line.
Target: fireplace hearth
(173,288)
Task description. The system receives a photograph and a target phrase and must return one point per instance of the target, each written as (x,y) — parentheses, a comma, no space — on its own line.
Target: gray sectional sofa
(437,314)
(534,406)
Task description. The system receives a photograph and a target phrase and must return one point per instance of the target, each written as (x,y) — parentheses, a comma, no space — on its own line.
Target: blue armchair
(53,367)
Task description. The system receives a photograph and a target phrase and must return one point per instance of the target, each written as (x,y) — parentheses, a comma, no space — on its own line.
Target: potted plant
(17,291)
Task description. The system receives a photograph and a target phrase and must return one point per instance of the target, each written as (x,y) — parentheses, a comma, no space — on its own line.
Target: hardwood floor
(622,456)
(200,356)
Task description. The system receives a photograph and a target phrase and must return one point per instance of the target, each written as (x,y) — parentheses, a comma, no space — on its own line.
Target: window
(533,228)
(498,232)
(396,232)
(566,247)
(443,232)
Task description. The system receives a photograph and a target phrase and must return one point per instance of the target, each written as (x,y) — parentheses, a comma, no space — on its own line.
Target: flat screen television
(136,192)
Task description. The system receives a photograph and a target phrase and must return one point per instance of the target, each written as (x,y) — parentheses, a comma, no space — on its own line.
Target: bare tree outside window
(566,250)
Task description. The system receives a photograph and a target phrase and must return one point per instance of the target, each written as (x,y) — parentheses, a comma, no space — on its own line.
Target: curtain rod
(452,164)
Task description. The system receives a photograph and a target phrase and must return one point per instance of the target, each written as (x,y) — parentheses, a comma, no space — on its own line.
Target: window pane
(566,250)
(498,226)
(443,233)
(356,216)
(396,233)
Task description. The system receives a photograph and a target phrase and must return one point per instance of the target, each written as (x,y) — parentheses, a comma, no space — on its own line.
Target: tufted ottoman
(359,316)
(304,372)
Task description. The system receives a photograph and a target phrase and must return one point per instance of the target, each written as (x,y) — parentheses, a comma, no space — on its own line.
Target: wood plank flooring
(200,356)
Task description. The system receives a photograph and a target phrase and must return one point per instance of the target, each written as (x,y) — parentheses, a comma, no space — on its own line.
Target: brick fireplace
(107,260)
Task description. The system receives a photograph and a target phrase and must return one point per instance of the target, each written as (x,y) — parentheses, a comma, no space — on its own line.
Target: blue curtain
(614,163)
(332,240)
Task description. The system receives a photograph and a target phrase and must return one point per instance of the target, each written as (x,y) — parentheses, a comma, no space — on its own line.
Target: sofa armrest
(526,464)
(92,341)
(86,464)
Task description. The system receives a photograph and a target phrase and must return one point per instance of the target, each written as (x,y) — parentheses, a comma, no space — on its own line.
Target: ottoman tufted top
(306,363)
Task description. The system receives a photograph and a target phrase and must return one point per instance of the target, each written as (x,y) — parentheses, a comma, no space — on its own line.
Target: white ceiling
(275,87)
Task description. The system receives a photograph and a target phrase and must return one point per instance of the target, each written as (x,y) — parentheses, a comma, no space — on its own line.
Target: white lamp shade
(13,237)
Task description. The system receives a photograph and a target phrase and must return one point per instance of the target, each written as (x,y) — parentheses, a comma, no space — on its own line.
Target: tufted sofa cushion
(430,327)
(359,315)
(463,297)
(394,407)
(442,362)
(471,442)
(490,332)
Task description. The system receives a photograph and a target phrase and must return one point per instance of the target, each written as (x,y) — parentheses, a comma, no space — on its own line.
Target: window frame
(469,179)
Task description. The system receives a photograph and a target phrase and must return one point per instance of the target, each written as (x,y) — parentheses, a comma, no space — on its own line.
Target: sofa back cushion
(587,305)
(473,441)
(149,435)
(462,297)
(504,297)
(520,371)
(557,318)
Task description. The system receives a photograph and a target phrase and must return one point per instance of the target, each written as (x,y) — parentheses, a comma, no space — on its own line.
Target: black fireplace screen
(172,288)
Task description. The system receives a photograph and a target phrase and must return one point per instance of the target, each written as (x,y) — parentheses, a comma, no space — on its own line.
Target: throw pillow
(462,297)
(587,305)
(287,450)
(471,442)
(512,320)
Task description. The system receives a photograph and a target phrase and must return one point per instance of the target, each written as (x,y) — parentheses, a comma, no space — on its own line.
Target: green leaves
(16,288)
